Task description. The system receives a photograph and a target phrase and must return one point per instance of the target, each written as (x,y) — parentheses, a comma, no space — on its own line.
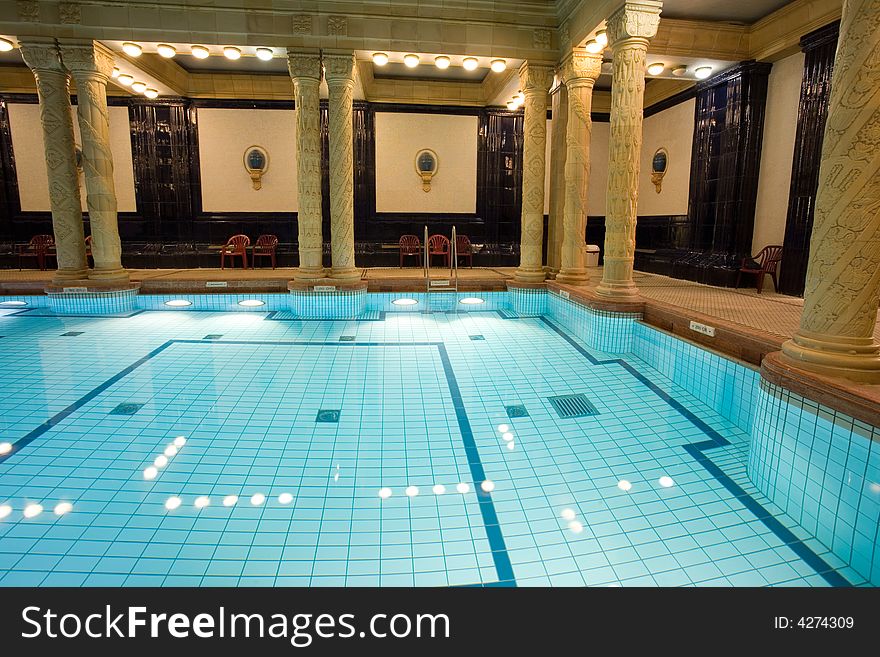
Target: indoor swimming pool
(483,444)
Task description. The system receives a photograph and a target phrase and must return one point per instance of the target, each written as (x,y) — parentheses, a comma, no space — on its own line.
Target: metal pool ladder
(435,285)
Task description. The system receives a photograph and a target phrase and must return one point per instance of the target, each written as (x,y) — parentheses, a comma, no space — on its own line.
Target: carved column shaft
(53,89)
(630,29)
(836,334)
(305,70)
(581,73)
(535,81)
(91,66)
(338,70)
(559,103)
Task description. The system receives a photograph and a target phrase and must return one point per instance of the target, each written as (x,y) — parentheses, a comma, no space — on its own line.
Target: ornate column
(580,73)
(305,70)
(535,82)
(630,29)
(338,70)
(559,104)
(91,65)
(836,335)
(53,89)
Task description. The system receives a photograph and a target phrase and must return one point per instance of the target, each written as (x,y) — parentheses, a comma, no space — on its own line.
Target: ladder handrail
(427,263)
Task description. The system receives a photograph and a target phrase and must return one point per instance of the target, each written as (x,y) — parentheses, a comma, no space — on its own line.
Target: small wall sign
(427,164)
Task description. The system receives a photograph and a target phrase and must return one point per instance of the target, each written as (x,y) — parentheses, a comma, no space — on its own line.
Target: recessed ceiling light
(411,491)
(488,486)
(624,485)
(679,70)
(114,73)
(576,526)
(5,510)
(594,46)
(439,489)
(251,303)
(703,72)
(521,97)
(178,303)
(510,445)
(180,441)
(507,436)
(470,63)
(257,499)
(384,493)
(150,473)
(231,52)
(265,54)
(33,510)
(666,482)
(125,79)
(441,62)
(656,68)
(6,45)
(404,302)
(380,58)
(512,105)
(170,451)
(411,60)
(503,427)
(285,498)
(13,303)
(151,93)
(202,502)
(173,503)
(166,51)
(139,87)
(463,488)
(567,514)
(63,508)
(472,301)
(5,448)
(602,38)
(161,461)
(498,65)
(230,500)
(132,49)
(200,52)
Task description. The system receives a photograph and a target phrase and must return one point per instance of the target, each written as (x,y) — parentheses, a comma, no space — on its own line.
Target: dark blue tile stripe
(487,507)
(717,440)
(27,439)
(38,313)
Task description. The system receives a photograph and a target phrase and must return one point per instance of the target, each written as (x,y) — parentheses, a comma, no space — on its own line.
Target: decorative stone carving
(579,75)
(91,65)
(541,39)
(535,82)
(564,36)
(58,142)
(28,10)
(629,31)
(301,24)
(337,26)
(836,334)
(305,70)
(559,103)
(338,70)
(69,13)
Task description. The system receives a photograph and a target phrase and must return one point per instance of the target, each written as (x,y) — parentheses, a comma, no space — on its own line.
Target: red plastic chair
(264,247)
(463,249)
(410,246)
(236,246)
(39,247)
(438,245)
(768,260)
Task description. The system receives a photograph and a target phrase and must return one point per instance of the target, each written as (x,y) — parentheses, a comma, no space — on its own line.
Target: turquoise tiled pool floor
(419,407)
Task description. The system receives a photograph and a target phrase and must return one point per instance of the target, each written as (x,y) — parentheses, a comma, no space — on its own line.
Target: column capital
(535,78)
(93,58)
(42,56)
(634,20)
(304,65)
(580,67)
(338,67)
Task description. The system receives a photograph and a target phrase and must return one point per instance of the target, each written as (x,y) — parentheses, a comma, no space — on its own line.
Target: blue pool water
(325,418)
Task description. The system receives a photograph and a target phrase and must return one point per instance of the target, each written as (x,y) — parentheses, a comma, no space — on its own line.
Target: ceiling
(736,11)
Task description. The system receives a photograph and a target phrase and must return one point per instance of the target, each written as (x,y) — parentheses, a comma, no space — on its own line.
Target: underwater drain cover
(126,409)
(569,406)
(328,415)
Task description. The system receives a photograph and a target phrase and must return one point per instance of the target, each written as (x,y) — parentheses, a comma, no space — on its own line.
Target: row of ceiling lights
(199,52)
(412,60)
(137,86)
(600,42)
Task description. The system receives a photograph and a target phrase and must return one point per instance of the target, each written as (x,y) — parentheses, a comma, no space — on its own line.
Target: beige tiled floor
(775,313)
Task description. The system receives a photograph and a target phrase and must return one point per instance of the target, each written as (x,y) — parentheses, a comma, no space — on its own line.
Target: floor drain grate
(346,338)
(126,409)
(477,337)
(517,410)
(71,334)
(569,406)
(326,415)
(213,336)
